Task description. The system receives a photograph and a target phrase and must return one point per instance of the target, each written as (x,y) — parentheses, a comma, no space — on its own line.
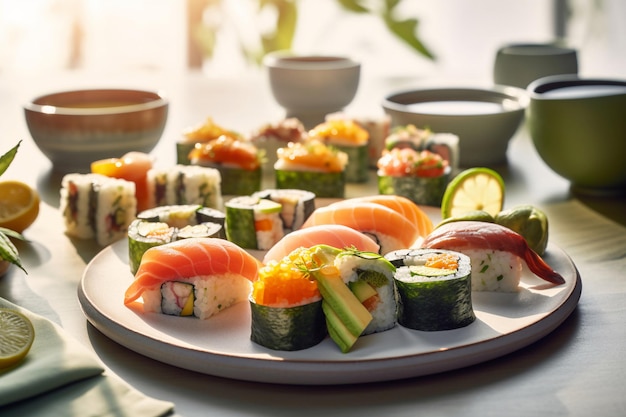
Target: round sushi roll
(312,166)
(183,215)
(286,307)
(253,223)
(421,176)
(184,184)
(434,289)
(370,277)
(349,137)
(297,205)
(166,224)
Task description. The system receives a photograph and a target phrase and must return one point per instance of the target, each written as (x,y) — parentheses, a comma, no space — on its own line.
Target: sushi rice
(185,184)
(493,270)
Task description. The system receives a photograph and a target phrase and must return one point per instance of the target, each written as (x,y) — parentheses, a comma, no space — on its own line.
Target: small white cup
(520,64)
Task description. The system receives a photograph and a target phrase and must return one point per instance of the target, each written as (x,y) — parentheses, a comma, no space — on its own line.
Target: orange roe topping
(313,154)
(345,132)
(443,261)
(229,150)
(285,283)
(206,132)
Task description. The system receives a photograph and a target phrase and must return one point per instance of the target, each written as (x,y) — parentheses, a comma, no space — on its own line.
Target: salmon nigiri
(390,229)
(194,276)
(404,206)
(474,238)
(335,235)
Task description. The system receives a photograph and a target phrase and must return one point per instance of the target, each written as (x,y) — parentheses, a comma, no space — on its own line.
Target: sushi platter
(222,346)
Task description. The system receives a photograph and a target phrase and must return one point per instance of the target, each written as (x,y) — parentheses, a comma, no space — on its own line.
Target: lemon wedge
(471,190)
(16,337)
(19,205)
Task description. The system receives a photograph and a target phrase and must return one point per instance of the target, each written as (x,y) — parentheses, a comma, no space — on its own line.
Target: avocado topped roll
(312,166)
(434,289)
(370,277)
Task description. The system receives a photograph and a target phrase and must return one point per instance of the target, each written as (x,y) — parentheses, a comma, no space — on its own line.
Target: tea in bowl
(578,127)
(74,128)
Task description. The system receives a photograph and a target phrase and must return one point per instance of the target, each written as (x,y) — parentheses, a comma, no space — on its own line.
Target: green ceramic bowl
(578,127)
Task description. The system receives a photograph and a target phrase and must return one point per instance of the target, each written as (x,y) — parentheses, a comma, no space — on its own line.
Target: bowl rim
(539,49)
(156,99)
(537,88)
(308,62)
(498,94)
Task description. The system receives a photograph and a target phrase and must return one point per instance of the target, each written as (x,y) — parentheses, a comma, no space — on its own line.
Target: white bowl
(75,128)
(484,119)
(312,86)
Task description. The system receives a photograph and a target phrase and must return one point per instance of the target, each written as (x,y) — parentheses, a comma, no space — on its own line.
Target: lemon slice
(473,189)
(16,337)
(19,205)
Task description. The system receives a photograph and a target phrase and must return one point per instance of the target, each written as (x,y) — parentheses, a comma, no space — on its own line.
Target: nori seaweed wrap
(434,289)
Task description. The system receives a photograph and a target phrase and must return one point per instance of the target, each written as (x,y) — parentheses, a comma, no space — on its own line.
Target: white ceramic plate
(221,345)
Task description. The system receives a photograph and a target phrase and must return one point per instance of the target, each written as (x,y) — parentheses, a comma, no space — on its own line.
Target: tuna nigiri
(335,235)
(493,242)
(195,276)
(391,230)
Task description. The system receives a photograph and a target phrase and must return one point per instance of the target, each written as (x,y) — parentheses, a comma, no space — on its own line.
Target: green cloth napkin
(61,377)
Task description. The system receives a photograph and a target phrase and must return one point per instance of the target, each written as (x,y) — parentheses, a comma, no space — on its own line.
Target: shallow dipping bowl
(483,119)
(578,127)
(75,128)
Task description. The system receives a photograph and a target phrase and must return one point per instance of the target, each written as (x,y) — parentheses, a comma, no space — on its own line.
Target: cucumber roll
(184,215)
(297,206)
(370,277)
(434,289)
(286,307)
(312,166)
(253,223)
(143,235)
(237,160)
(350,138)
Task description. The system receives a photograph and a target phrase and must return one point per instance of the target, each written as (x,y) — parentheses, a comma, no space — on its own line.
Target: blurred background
(228,37)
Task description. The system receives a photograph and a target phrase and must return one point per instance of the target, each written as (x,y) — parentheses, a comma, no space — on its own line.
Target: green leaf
(406,30)
(8,251)
(282,37)
(355,6)
(7,158)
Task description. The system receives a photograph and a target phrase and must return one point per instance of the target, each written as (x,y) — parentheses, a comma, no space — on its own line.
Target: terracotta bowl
(75,128)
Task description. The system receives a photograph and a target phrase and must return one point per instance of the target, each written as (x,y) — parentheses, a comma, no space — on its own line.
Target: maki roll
(370,277)
(97,206)
(297,206)
(237,160)
(421,176)
(253,223)
(204,132)
(434,289)
(312,166)
(349,137)
(197,277)
(165,224)
(182,215)
(272,136)
(185,184)
(444,144)
(286,307)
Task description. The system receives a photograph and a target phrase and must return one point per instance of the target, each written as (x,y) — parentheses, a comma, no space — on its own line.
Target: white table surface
(576,370)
